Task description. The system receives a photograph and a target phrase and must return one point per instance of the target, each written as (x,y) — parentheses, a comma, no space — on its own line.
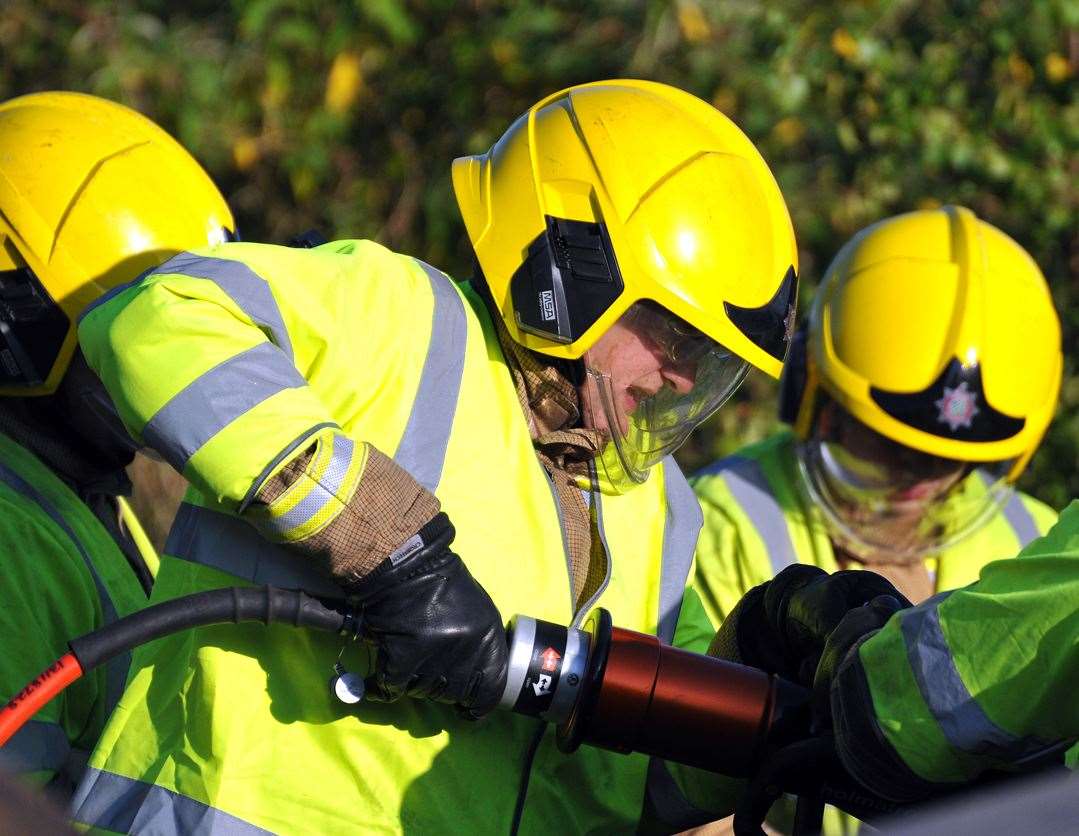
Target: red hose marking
(42,688)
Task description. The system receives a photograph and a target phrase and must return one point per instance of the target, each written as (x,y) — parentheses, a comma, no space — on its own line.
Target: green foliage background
(345,115)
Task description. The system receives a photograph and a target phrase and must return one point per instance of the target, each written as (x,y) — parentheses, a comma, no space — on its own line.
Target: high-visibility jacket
(758,520)
(981,677)
(227,360)
(61,575)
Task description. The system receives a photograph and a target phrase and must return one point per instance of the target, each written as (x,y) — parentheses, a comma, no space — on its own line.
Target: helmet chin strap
(574,370)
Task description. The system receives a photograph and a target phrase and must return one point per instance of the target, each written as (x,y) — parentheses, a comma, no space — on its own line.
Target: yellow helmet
(91,194)
(614,192)
(936,332)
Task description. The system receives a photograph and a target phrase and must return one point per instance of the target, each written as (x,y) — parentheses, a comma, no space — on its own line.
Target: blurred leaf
(394,18)
(843,44)
(789,131)
(1057,67)
(245,152)
(1021,71)
(344,82)
(692,22)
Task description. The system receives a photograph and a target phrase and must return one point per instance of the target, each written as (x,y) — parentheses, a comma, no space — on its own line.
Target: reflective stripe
(217,398)
(750,489)
(664,799)
(124,805)
(280,457)
(1015,512)
(422,451)
(115,669)
(1019,518)
(38,746)
(324,491)
(962,720)
(244,286)
(229,544)
(680,531)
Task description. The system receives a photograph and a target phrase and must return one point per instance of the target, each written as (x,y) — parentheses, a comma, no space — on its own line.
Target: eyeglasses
(680,343)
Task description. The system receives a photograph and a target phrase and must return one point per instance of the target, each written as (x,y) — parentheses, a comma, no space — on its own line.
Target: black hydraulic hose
(230,605)
(217,606)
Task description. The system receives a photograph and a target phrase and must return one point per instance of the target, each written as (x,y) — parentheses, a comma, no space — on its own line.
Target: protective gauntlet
(801,625)
(782,626)
(438,633)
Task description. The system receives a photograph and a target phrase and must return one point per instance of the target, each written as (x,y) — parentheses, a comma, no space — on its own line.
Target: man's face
(638,363)
(651,378)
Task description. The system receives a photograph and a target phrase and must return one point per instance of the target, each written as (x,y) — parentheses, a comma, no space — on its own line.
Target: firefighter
(922,701)
(923,384)
(912,413)
(90,194)
(356,423)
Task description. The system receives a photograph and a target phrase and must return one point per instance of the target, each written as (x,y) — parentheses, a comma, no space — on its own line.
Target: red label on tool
(550,659)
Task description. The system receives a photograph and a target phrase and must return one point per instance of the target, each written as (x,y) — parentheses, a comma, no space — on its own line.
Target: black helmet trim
(771,326)
(32,329)
(954,406)
(568,279)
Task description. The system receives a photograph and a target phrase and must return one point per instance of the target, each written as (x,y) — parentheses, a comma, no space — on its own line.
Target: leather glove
(857,625)
(439,635)
(782,626)
(812,770)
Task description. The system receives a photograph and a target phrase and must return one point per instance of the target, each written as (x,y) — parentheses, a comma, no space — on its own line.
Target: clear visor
(881,497)
(652,378)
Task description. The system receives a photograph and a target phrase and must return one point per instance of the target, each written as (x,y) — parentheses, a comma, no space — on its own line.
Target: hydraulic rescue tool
(599,685)
(628,692)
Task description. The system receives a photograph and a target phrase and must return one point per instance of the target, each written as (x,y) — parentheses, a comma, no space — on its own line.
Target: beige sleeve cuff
(346,529)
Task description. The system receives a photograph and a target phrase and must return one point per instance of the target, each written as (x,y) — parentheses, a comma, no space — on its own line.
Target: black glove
(438,633)
(812,770)
(782,626)
(856,625)
(801,625)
